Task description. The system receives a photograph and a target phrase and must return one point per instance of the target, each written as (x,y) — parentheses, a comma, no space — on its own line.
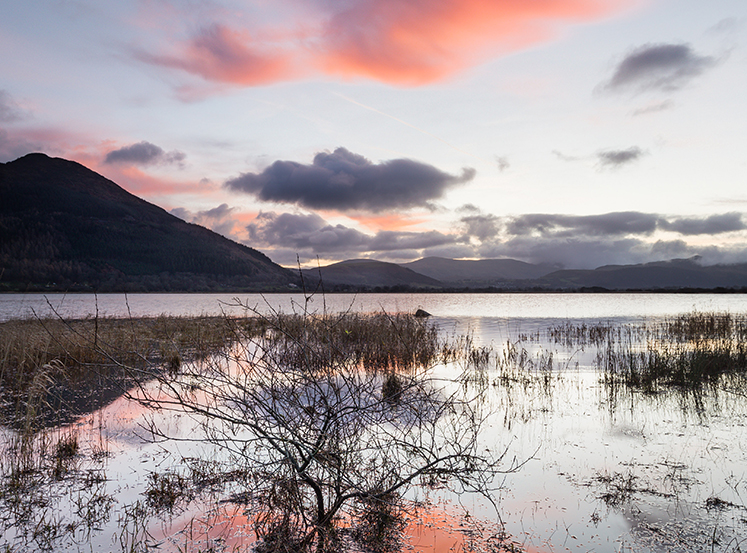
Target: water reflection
(606,467)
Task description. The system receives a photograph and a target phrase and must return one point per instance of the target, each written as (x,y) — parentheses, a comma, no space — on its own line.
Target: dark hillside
(65,227)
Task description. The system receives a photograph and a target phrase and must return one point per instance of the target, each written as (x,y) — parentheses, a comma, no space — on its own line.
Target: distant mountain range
(65,227)
(483,272)
(436,273)
(671,275)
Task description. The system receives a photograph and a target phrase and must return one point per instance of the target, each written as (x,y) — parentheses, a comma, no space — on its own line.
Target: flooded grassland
(373,433)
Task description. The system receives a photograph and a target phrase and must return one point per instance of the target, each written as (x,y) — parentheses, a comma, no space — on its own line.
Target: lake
(489,316)
(602,470)
(505,307)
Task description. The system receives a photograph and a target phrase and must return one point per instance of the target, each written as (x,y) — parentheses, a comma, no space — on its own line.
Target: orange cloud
(420,41)
(394,221)
(402,42)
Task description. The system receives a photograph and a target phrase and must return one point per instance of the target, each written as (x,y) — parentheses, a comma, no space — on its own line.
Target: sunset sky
(574,132)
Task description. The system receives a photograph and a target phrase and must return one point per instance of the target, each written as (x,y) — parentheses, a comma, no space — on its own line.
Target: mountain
(673,274)
(478,273)
(509,274)
(368,274)
(65,227)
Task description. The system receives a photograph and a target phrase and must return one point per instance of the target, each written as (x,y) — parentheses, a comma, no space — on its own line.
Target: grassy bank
(53,369)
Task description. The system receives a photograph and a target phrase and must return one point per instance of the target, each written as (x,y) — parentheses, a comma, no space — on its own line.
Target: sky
(578,133)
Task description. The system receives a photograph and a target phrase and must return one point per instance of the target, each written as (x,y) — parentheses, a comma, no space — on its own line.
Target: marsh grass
(688,353)
(375,342)
(52,370)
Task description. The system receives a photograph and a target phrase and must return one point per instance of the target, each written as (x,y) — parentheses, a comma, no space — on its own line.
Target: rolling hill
(367,274)
(660,275)
(65,227)
(477,273)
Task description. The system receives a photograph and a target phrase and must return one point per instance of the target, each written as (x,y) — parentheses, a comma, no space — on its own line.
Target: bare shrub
(306,411)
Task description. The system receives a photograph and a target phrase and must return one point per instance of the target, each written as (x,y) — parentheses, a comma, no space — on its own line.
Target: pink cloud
(217,53)
(142,184)
(15,143)
(74,146)
(420,41)
(393,221)
(402,42)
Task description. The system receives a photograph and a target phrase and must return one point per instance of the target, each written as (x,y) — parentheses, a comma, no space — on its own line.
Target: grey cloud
(454,251)
(654,108)
(609,224)
(620,224)
(502,162)
(666,67)
(481,226)
(708,255)
(309,232)
(610,159)
(715,255)
(387,240)
(715,224)
(219,219)
(727,26)
(672,249)
(304,232)
(13,146)
(342,180)
(618,158)
(10,111)
(143,153)
(182,213)
(564,157)
(399,256)
(570,253)
(586,253)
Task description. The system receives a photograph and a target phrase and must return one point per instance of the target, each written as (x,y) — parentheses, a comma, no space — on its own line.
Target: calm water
(492,306)
(577,440)
(490,317)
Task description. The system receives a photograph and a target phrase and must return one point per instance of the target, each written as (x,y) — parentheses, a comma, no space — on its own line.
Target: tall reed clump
(686,352)
(377,341)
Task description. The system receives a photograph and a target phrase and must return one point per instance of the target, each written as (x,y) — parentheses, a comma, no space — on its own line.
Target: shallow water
(604,470)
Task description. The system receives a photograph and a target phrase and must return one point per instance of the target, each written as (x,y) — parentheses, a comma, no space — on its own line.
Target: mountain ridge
(478,272)
(65,227)
(668,275)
